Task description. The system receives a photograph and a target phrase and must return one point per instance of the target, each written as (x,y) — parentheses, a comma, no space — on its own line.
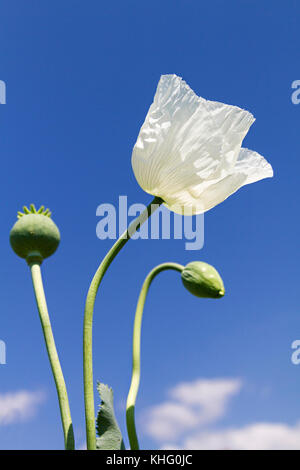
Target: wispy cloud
(182,422)
(209,398)
(19,406)
(257,436)
(191,404)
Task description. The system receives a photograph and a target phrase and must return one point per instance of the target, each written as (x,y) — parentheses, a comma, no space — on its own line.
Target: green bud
(202,279)
(34,236)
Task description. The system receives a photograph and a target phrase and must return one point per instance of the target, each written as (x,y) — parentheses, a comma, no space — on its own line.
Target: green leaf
(110,437)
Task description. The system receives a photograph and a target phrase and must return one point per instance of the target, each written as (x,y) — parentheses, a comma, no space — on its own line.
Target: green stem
(136,351)
(88,320)
(53,356)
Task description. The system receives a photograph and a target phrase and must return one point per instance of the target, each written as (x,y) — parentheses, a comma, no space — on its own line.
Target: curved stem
(88,320)
(136,351)
(53,356)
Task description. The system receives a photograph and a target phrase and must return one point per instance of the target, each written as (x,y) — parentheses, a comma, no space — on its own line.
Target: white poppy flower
(188,151)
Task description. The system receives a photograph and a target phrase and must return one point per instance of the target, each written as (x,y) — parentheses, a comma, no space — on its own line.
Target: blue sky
(80,77)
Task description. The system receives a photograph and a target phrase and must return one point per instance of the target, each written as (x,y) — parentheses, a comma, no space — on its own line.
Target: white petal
(249,168)
(253,165)
(185,141)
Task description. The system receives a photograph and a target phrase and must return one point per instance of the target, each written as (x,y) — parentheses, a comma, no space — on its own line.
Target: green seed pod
(34,236)
(202,279)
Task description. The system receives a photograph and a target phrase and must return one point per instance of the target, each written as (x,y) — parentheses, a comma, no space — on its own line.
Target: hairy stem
(136,351)
(53,356)
(88,320)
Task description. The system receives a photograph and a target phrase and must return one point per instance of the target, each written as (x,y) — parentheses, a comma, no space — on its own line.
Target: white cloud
(168,420)
(19,406)
(257,436)
(211,396)
(192,404)
(181,422)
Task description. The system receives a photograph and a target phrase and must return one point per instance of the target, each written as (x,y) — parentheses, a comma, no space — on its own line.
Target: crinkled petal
(253,165)
(186,140)
(249,168)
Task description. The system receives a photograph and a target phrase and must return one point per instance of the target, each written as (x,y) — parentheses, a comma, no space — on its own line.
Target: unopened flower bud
(34,236)
(202,279)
